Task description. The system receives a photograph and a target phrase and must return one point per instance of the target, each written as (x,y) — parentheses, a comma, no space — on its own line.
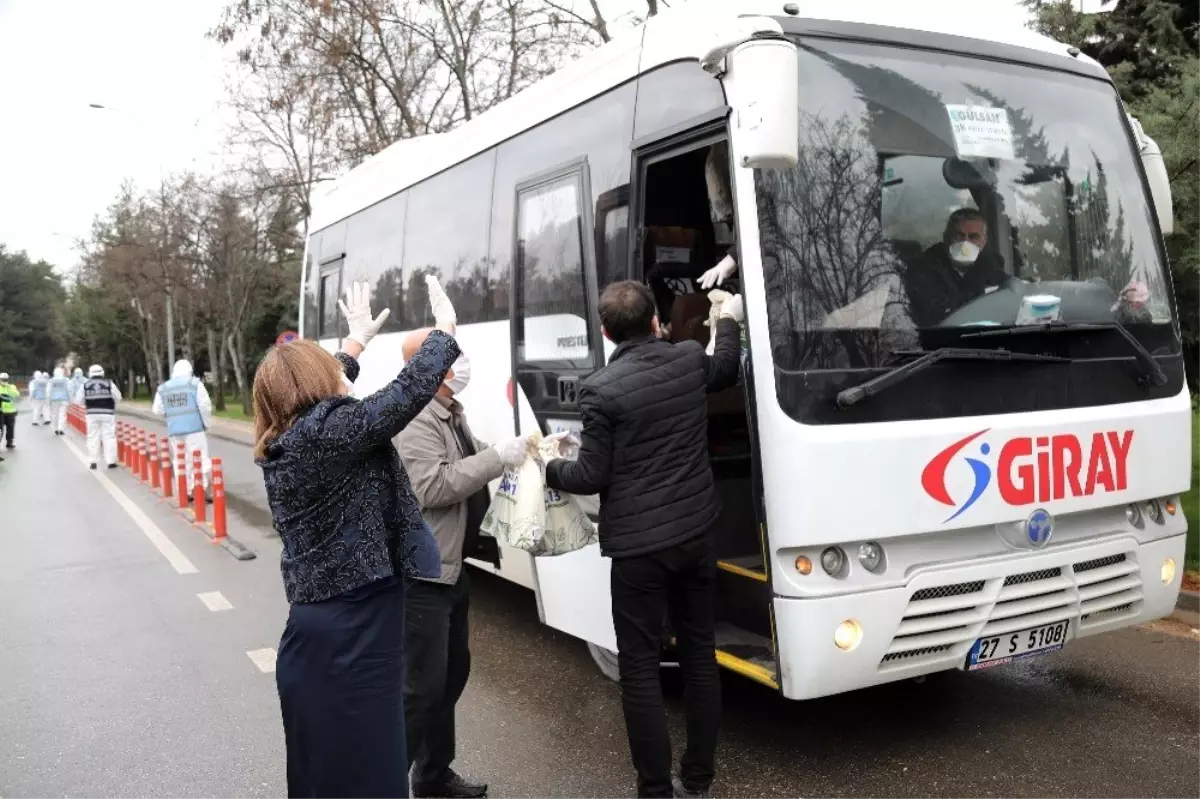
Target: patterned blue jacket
(340,498)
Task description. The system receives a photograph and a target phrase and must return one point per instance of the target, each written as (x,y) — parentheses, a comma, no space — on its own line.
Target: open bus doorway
(687,226)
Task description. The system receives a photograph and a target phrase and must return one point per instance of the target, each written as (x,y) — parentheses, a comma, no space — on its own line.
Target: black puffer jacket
(645,442)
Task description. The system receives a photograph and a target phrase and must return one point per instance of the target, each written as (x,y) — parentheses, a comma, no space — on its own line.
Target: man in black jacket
(644,450)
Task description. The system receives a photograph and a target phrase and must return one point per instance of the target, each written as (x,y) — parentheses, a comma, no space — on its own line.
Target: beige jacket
(443,479)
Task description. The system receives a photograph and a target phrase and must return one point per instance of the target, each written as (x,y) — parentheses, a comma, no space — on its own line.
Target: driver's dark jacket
(936,288)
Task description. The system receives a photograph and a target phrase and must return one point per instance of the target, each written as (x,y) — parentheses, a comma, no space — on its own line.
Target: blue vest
(37,388)
(60,389)
(76,384)
(98,396)
(181,404)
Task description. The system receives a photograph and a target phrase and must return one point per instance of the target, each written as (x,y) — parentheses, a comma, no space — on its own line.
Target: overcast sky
(61,162)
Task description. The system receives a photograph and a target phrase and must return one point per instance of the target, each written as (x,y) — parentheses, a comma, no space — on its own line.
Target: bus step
(748,566)
(746,653)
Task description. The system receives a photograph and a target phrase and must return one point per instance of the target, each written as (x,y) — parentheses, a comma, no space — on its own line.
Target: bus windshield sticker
(981,132)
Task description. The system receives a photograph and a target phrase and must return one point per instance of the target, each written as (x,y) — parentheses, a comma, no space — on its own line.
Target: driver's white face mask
(964,253)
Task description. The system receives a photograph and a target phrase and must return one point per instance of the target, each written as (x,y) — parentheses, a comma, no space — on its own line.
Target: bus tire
(606,661)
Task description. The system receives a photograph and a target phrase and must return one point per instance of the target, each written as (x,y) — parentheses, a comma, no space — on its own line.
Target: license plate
(998,649)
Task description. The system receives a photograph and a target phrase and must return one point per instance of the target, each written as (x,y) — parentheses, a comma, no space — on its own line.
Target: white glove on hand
(513,451)
(559,445)
(733,309)
(444,317)
(719,273)
(357,311)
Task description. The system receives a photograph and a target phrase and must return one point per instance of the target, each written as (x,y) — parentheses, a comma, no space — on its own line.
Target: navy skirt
(340,672)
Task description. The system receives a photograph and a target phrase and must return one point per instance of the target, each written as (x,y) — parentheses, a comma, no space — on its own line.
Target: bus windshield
(939,194)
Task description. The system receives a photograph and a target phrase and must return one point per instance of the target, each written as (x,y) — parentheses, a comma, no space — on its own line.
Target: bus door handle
(568,391)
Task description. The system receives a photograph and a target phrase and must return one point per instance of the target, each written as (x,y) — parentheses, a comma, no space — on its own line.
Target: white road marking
(214,601)
(264,659)
(163,544)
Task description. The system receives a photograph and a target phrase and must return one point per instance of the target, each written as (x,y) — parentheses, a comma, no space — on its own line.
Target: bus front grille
(942,622)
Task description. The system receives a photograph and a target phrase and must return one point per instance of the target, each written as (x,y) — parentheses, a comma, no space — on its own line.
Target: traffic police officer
(100,396)
(9,396)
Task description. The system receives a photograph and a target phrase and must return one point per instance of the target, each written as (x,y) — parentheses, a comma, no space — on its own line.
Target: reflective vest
(8,398)
(98,396)
(181,404)
(60,389)
(37,388)
(76,384)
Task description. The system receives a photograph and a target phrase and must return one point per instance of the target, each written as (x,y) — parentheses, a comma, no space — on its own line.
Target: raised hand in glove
(444,317)
(719,273)
(512,452)
(357,312)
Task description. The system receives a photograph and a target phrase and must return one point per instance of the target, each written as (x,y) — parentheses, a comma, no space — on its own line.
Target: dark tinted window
(327,297)
(672,95)
(599,129)
(311,287)
(374,253)
(550,261)
(447,235)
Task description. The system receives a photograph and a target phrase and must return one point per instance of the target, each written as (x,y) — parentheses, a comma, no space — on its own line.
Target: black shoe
(92,466)
(681,792)
(112,465)
(11,446)
(453,787)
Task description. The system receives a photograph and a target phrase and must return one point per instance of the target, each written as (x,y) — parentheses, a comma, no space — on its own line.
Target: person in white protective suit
(184,402)
(58,394)
(99,397)
(38,386)
(77,381)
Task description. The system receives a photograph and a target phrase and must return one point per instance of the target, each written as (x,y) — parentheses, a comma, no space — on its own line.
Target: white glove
(444,317)
(513,451)
(357,311)
(733,309)
(559,445)
(719,273)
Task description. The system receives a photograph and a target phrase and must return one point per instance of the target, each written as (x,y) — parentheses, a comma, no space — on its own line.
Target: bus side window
(328,290)
(553,313)
(612,236)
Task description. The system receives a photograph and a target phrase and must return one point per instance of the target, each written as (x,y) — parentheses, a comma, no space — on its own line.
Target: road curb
(1189,601)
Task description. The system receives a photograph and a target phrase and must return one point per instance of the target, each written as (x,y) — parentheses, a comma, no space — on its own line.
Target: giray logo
(1029,470)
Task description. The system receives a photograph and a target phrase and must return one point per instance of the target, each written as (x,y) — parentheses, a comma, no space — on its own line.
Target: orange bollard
(218,490)
(152,455)
(143,457)
(198,508)
(181,475)
(120,442)
(135,437)
(164,457)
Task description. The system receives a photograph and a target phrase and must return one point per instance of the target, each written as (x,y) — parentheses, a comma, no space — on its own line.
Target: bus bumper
(931,623)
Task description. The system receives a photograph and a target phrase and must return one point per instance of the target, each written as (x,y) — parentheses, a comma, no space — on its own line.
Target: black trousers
(679,581)
(437,662)
(10,427)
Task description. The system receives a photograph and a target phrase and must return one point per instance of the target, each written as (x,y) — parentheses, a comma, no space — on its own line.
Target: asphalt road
(116,679)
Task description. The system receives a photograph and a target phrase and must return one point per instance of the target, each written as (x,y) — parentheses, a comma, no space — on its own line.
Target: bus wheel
(606,661)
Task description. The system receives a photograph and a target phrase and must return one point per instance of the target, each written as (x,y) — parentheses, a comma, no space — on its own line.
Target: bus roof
(677,34)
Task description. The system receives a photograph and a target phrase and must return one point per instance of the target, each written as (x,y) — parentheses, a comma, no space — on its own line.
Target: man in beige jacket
(450,470)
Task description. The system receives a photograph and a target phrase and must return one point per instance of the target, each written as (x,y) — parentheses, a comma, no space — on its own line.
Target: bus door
(556,342)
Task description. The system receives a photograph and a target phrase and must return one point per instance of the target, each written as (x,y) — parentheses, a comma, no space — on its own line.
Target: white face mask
(964,252)
(462,375)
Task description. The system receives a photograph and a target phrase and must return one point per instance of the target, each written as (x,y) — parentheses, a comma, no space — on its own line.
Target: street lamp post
(170,309)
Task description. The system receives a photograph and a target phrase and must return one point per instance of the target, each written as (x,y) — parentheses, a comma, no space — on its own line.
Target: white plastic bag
(568,528)
(517,515)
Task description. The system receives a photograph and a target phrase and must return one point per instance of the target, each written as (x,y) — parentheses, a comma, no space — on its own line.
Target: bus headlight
(847,635)
(1134,516)
(833,561)
(870,555)
(1168,571)
(1153,510)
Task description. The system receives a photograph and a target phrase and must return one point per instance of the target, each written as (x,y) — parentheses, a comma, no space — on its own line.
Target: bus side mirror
(762,84)
(1156,177)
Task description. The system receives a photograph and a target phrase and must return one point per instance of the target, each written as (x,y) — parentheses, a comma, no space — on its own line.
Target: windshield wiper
(856,394)
(1151,371)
